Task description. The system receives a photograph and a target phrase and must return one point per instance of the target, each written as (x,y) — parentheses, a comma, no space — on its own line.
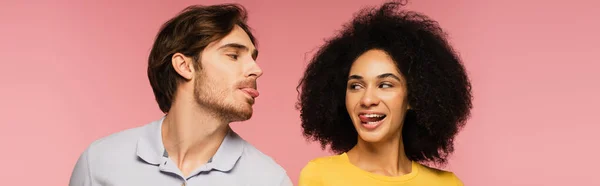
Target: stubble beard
(219,101)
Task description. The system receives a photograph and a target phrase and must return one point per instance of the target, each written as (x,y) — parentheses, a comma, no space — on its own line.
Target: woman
(388,95)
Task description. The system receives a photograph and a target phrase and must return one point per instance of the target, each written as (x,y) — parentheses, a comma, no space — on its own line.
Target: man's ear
(183,65)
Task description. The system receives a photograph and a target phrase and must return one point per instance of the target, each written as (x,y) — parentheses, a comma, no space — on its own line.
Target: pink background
(73,72)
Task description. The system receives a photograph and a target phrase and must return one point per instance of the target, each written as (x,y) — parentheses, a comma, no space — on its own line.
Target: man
(203,73)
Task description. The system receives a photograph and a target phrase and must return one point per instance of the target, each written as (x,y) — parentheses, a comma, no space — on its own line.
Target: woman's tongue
(364,119)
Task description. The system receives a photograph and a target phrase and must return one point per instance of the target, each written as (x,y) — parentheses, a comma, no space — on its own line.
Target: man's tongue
(252,92)
(366,119)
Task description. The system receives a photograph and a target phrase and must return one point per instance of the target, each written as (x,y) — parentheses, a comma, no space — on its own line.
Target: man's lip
(251,91)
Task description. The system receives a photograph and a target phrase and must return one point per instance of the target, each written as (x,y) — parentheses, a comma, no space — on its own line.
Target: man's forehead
(237,36)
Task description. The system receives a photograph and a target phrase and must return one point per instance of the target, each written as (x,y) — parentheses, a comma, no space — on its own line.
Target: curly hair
(439,91)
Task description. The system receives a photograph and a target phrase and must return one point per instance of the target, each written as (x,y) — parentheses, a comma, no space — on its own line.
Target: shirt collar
(229,152)
(150,148)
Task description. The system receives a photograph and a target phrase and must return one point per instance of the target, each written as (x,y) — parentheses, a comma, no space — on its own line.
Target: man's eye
(233,56)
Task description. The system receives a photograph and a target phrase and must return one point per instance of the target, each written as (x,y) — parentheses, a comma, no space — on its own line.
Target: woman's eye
(385,85)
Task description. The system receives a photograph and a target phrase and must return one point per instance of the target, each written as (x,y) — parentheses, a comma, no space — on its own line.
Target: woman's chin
(371,137)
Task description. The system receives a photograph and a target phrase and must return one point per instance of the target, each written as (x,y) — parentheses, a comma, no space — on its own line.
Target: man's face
(226,80)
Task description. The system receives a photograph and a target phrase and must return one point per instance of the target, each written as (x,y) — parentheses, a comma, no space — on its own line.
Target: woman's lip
(372,125)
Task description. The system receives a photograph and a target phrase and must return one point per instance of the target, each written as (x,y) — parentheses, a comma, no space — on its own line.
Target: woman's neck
(385,158)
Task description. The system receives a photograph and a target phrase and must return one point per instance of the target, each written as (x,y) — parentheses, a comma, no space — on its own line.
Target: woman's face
(376,97)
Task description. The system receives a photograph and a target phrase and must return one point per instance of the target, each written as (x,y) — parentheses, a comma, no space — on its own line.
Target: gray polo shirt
(137,157)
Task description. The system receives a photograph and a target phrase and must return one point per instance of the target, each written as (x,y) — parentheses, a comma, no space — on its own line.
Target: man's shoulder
(124,141)
(120,138)
(103,156)
(254,166)
(252,155)
(261,165)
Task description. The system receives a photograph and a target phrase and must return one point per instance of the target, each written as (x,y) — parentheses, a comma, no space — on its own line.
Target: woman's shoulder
(325,164)
(441,176)
(317,168)
(325,161)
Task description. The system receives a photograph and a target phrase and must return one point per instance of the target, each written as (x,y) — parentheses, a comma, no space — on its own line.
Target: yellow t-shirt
(337,171)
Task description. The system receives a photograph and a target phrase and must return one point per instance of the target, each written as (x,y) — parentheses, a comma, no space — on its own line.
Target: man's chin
(242,115)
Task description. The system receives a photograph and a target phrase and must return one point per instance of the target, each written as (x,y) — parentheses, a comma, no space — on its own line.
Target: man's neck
(386,158)
(192,136)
